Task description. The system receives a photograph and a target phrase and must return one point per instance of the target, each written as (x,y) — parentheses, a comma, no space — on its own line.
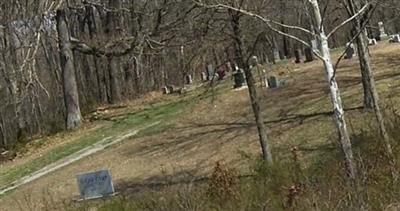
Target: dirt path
(97,147)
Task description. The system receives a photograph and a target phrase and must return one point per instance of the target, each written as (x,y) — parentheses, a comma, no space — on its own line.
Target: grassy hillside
(174,166)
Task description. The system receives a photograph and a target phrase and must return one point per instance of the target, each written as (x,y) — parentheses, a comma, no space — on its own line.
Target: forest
(134,48)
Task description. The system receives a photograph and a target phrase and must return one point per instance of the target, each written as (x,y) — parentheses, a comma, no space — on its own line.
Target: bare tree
(371,96)
(71,97)
(324,55)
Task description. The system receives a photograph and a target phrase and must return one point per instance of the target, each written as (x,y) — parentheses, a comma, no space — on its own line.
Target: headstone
(273,82)
(266,59)
(309,55)
(372,41)
(349,51)
(229,67)
(394,38)
(210,72)
(95,184)
(266,83)
(314,44)
(277,58)
(165,90)
(264,78)
(297,54)
(239,78)
(236,67)
(188,79)
(221,72)
(382,33)
(254,61)
(204,76)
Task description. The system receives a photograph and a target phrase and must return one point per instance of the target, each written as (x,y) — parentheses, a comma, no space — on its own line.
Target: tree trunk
(71,97)
(113,29)
(266,151)
(335,94)
(114,80)
(371,96)
(363,54)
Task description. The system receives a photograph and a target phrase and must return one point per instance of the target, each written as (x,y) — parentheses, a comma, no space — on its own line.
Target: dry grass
(222,128)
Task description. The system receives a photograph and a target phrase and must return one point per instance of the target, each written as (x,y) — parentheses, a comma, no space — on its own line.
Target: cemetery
(199,105)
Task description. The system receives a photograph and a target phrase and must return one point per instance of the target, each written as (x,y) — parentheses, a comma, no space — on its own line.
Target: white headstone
(165,90)
(254,61)
(372,41)
(382,33)
(314,45)
(203,76)
(210,71)
(394,38)
(95,184)
(276,55)
(189,79)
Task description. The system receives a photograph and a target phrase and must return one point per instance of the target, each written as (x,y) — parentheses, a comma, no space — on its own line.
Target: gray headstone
(210,72)
(394,38)
(349,51)
(382,33)
(229,66)
(273,82)
(239,78)
(309,55)
(204,76)
(189,79)
(314,44)
(266,59)
(254,61)
(277,58)
(95,184)
(297,54)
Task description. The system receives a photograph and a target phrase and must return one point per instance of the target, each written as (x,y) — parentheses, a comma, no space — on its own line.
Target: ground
(199,129)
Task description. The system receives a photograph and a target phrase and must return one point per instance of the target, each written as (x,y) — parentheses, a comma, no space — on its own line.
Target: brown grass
(297,115)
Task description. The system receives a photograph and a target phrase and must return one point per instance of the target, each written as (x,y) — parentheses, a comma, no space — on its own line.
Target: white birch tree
(323,53)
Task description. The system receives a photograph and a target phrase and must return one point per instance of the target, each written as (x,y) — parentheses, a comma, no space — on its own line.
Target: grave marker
(372,41)
(314,45)
(394,38)
(309,55)
(210,72)
(95,184)
(239,78)
(349,51)
(382,33)
(273,82)
(277,58)
(188,79)
(297,54)
(165,90)
(204,76)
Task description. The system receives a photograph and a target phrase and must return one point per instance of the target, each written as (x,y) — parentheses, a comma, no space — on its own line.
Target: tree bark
(363,55)
(114,79)
(335,94)
(371,96)
(113,29)
(263,139)
(71,97)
